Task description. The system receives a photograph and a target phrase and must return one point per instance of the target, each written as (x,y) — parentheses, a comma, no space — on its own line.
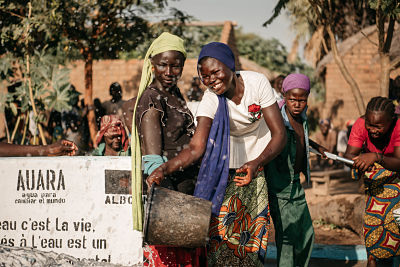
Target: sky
(249,14)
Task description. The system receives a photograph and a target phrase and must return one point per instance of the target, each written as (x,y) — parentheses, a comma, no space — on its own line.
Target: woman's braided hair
(380,103)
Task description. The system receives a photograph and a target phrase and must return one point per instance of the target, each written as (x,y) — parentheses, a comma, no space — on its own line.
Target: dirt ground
(329,234)
(325,233)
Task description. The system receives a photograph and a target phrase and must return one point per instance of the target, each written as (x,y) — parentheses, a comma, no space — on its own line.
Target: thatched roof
(346,46)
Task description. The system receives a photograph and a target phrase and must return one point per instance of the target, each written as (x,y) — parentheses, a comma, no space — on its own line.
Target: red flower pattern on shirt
(255,112)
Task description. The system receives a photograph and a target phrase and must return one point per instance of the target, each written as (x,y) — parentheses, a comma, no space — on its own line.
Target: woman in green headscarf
(162,126)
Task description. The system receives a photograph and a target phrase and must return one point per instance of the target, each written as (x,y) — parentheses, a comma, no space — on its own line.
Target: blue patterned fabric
(214,170)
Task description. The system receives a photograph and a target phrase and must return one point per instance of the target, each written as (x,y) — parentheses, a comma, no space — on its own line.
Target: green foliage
(27,34)
(389,7)
(267,53)
(303,19)
(54,79)
(272,55)
(14,26)
(277,10)
(195,37)
(49,81)
(101,29)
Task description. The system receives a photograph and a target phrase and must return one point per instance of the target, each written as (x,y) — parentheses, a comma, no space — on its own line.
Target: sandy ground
(328,233)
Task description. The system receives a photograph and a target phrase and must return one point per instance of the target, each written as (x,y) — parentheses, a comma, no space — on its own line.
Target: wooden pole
(28,78)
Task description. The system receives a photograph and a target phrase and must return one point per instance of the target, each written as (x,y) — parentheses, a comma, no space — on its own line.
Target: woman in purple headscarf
(239,130)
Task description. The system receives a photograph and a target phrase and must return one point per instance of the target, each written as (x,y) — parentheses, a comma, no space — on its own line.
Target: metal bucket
(176,219)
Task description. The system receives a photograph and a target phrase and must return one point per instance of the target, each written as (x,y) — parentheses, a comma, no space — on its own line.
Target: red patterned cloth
(162,256)
(112,125)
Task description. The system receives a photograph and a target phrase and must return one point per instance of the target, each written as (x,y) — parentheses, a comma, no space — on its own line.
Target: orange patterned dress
(239,234)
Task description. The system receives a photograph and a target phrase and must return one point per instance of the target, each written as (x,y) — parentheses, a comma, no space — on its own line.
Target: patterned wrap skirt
(239,234)
(382,193)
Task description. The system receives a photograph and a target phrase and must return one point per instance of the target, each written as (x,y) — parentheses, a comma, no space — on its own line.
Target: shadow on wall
(334,108)
(313,116)
(131,86)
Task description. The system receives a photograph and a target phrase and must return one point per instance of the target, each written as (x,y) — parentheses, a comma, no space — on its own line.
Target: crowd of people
(71,124)
(241,144)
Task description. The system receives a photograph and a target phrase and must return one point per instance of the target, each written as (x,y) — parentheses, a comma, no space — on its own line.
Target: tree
(272,54)
(195,34)
(335,20)
(386,11)
(325,11)
(26,62)
(99,29)
(87,29)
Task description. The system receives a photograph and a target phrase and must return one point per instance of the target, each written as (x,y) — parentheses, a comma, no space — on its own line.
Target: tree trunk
(88,95)
(384,48)
(384,78)
(346,74)
(291,58)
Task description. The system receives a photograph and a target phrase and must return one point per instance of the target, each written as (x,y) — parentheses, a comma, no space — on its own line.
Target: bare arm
(61,148)
(352,151)
(392,163)
(318,147)
(273,118)
(332,140)
(364,161)
(188,155)
(151,132)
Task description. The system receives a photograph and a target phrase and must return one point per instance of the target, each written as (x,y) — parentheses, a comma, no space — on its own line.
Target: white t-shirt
(193,106)
(248,130)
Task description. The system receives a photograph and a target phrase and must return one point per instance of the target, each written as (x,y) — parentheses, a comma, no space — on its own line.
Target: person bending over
(239,130)
(374,145)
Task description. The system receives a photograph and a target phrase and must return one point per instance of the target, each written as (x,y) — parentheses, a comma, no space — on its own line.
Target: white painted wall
(80,202)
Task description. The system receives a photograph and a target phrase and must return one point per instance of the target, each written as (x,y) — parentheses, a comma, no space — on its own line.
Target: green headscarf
(165,42)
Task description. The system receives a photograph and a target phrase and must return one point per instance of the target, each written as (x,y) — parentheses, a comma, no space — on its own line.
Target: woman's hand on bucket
(156,176)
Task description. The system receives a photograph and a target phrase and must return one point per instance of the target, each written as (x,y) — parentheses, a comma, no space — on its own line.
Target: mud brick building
(360,54)
(128,72)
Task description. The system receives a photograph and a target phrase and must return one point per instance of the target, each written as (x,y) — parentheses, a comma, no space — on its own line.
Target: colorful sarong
(162,256)
(382,192)
(239,234)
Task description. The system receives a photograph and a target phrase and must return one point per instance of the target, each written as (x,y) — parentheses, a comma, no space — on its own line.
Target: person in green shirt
(294,233)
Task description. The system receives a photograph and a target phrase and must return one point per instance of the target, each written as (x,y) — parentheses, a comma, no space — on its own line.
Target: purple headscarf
(296,80)
(293,81)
